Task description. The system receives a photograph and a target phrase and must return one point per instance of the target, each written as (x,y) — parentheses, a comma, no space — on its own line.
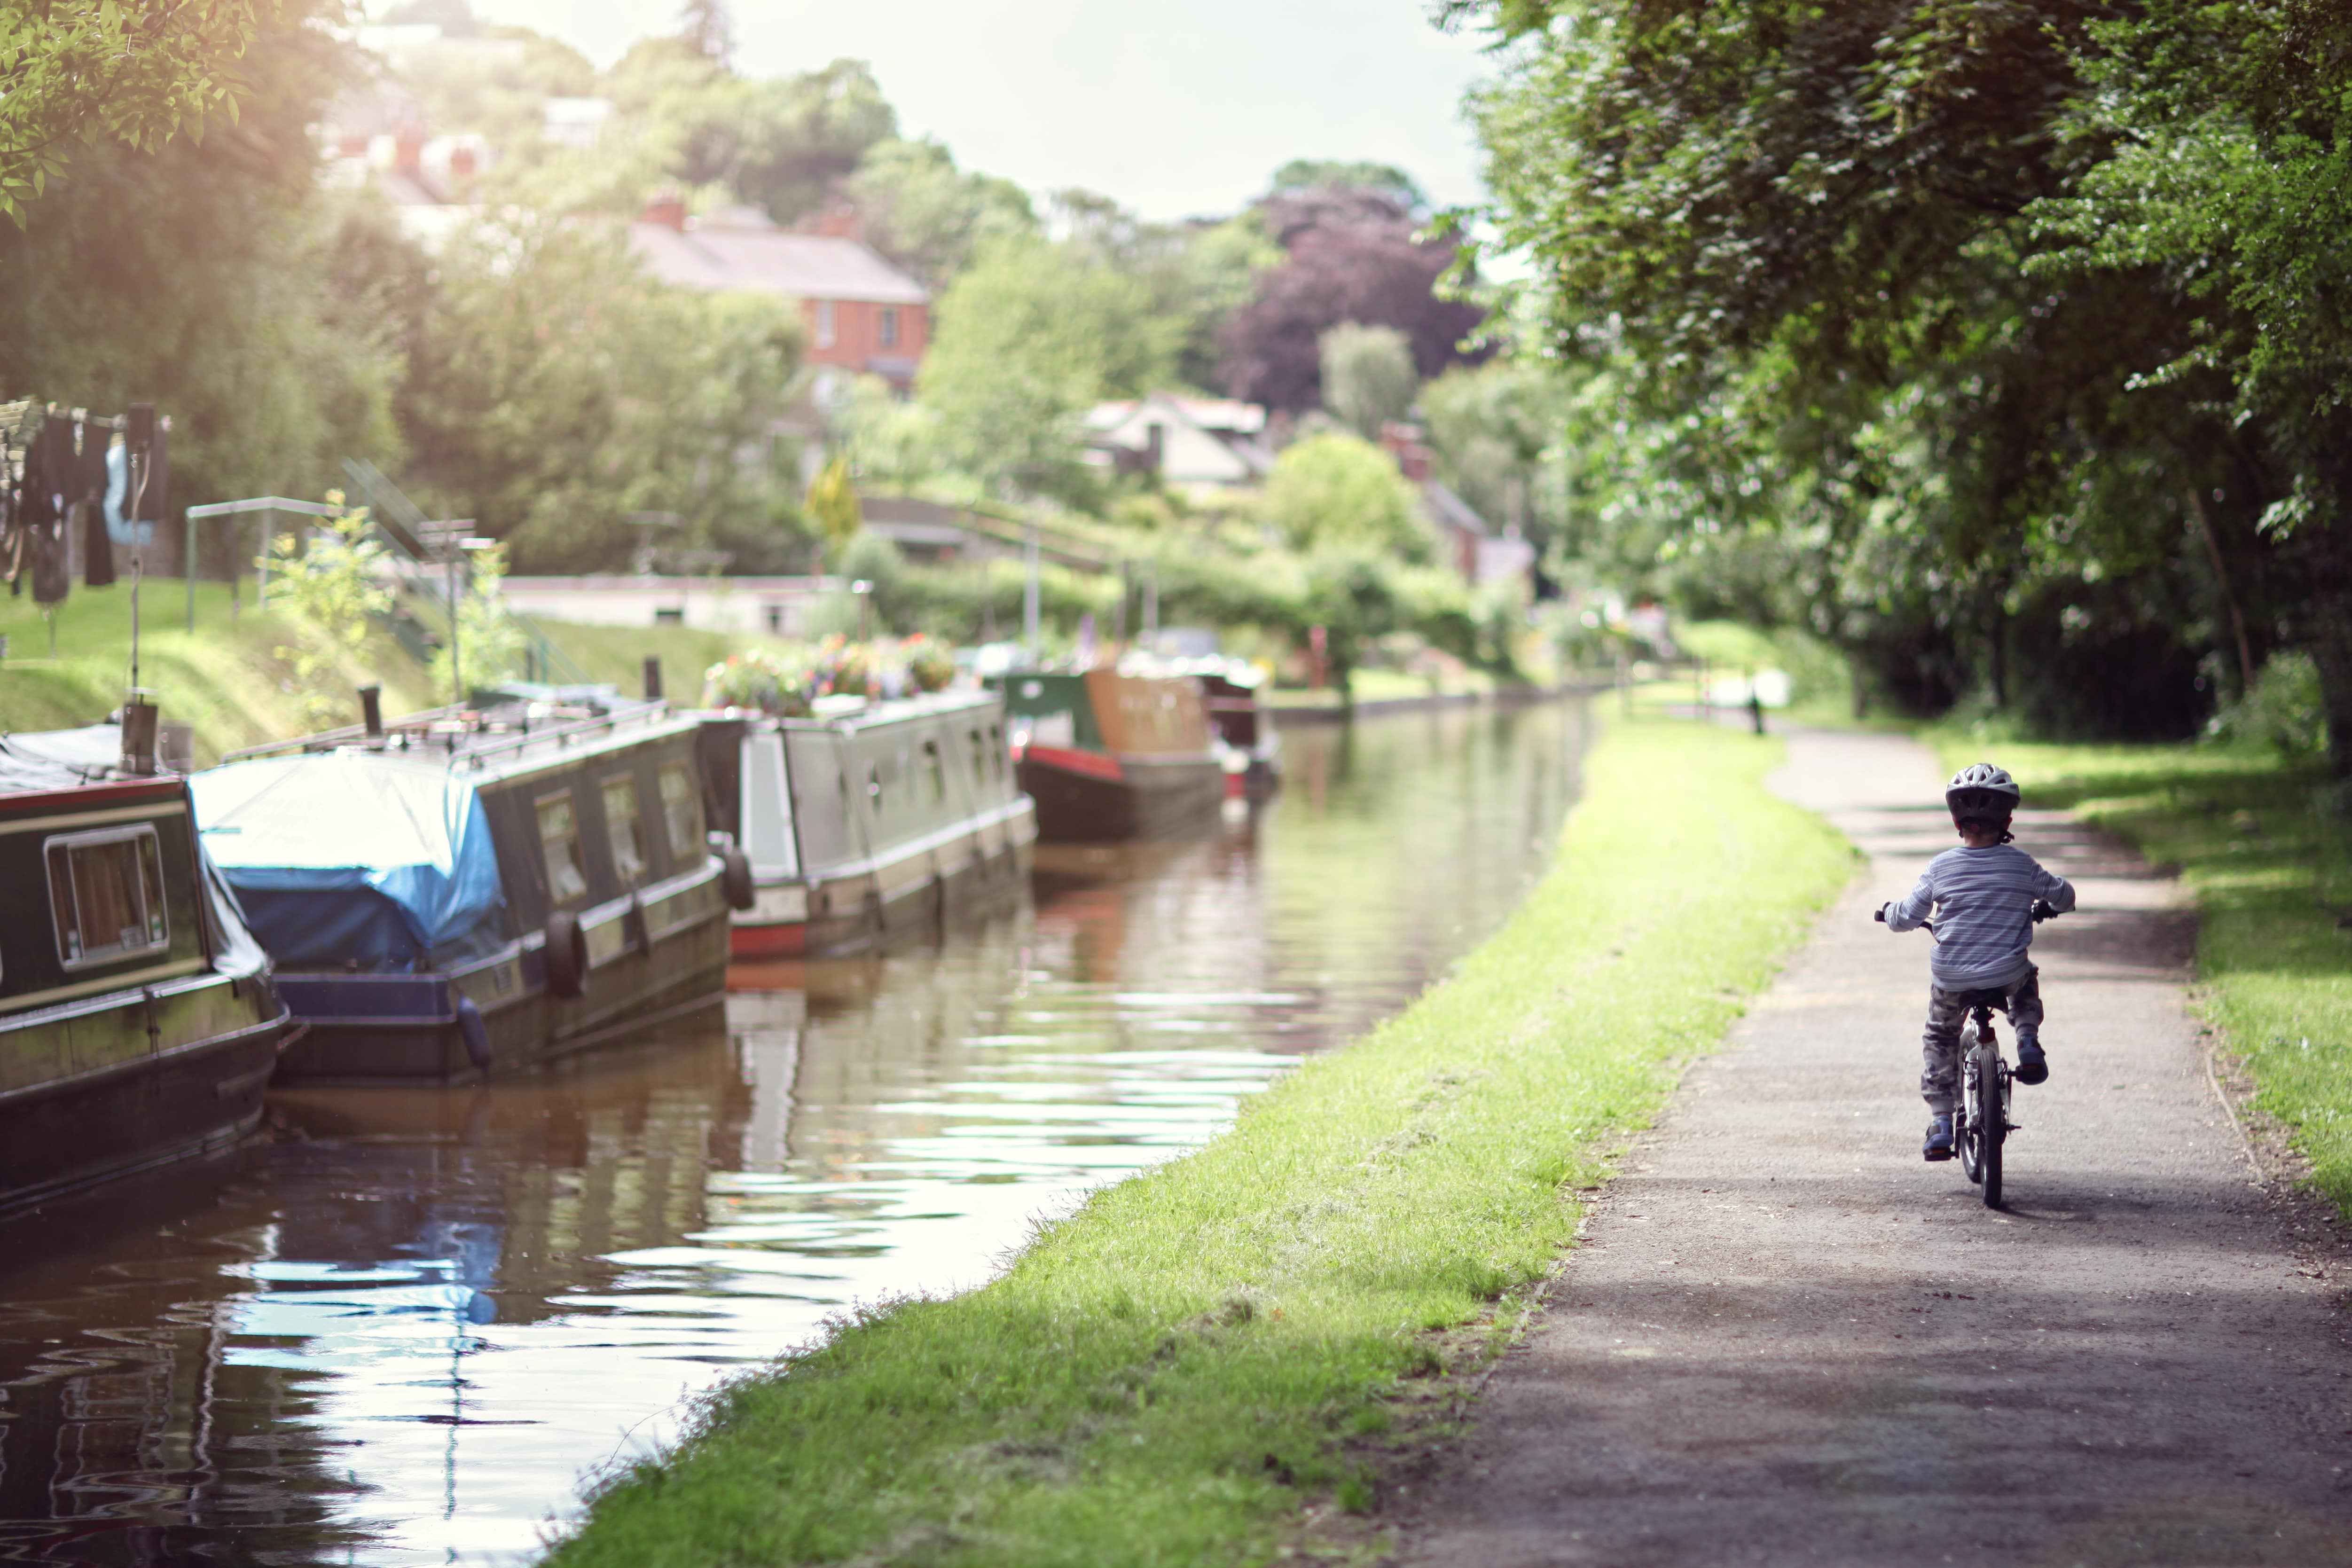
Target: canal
(410,1325)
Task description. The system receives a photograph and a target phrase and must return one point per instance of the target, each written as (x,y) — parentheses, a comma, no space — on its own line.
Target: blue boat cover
(346,856)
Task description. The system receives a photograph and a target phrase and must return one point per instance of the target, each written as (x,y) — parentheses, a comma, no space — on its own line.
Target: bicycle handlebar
(2042,911)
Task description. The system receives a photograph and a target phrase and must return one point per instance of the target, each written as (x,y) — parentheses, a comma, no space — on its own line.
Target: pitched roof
(773,261)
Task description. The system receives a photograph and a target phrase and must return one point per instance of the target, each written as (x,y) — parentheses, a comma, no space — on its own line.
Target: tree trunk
(2328,552)
(2229,595)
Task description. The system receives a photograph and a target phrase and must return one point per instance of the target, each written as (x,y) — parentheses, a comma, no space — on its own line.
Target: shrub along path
(1786,1338)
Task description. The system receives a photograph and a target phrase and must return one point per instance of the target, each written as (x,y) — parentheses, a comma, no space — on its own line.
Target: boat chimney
(653,678)
(137,736)
(372,710)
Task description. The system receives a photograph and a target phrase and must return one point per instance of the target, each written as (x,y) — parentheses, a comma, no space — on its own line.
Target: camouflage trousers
(1947,1016)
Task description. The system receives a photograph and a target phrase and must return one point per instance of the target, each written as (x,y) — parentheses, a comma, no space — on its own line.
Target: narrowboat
(1108,755)
(138,1023)
(1252,750)
(873,819)
(469,892)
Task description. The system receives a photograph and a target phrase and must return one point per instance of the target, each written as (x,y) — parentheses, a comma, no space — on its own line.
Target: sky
(1175,109)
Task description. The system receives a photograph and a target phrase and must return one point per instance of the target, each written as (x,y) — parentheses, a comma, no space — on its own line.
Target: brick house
(862,314)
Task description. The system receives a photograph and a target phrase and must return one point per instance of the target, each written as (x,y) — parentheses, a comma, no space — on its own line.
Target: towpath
(1787,1339)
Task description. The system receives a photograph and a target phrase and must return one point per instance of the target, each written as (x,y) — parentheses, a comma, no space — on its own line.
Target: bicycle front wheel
(1991,1125)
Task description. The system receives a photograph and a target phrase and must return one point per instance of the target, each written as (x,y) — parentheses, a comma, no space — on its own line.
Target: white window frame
(89,957)
(827,330)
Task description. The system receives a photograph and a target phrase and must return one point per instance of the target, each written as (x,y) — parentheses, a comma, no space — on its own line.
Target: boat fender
(567,955)
(735,879)
(474,1032)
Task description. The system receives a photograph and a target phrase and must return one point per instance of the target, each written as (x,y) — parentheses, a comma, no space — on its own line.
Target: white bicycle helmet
(1982,784)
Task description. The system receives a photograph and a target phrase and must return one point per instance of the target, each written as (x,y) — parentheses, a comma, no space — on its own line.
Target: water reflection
(403,1329)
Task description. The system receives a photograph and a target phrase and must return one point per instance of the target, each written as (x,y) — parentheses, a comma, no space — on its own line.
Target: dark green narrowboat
(138,1023)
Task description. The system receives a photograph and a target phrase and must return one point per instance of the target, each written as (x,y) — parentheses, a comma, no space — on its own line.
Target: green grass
(2271,877)
(618,654)
(1166,1376)
(223,677)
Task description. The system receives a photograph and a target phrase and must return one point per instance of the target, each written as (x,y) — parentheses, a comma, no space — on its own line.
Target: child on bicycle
(1983,896)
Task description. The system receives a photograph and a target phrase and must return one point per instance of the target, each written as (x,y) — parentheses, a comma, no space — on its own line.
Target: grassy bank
(224,676)
(2272,878)
(1166,1376)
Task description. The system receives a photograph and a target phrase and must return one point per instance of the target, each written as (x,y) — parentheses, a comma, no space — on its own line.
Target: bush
(1335,491)
(2283,710)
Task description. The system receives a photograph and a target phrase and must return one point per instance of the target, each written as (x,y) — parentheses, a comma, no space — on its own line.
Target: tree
(136,72)
(556,388)
(1796,240)
(2231,178)
(1334,491)
(929,217)
(1029,338)
(1301,176)
(832,507)
(781,143)
(1351,256)
(1367,376)
(219,280)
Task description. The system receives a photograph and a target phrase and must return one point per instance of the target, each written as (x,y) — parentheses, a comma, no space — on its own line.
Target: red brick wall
(857,334)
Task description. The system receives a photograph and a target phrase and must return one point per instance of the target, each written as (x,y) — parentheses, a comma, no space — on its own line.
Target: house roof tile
(773,261)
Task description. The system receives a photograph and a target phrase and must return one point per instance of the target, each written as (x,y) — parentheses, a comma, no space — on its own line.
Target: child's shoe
(2032,1065)
(1939,1139)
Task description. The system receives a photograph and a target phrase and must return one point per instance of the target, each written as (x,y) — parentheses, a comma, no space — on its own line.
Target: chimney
(372,710)
(1404,443)
(667,207)
(409,151)
(138,737)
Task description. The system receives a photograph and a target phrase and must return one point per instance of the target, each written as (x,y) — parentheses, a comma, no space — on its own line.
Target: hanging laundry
(50,467)
(154,496)
(88,519)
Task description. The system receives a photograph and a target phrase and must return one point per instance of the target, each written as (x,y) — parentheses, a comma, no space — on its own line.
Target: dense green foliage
(1894,319)
(1166,1376)
(134,72)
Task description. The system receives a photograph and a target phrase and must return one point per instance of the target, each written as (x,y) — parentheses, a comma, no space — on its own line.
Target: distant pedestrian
(1756,708)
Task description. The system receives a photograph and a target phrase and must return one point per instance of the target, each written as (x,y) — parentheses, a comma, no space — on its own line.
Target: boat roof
(833,713)
(499,740)
(86,763)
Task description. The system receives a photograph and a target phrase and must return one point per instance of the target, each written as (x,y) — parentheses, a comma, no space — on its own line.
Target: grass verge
(1165,1376)
(2272,882)
(224,676)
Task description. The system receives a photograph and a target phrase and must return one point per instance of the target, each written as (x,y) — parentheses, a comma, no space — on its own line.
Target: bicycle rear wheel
(1992,1124)
(1968,1121)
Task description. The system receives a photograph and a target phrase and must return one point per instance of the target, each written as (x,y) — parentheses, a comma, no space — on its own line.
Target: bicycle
(1980,1124)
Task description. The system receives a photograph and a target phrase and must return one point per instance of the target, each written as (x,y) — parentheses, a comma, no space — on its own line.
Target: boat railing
(468,734)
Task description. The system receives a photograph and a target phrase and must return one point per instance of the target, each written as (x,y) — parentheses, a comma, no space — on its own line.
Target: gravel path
(1785,1339)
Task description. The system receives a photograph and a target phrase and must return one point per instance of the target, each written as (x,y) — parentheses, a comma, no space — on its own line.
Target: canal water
(410,1325)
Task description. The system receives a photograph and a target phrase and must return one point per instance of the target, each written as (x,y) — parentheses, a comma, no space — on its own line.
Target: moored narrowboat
(138,1023)
(1252,748)
(1109,755)
(468,891)
(874,819)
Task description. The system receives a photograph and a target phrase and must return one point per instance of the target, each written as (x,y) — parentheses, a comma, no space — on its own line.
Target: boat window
(559,840)
(938,773)
(106,894)
(996,750)
(979,760)
(874,788)
(623,829)
(682,813)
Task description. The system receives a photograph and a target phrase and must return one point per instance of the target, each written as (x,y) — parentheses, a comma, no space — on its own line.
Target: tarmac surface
(1786,1338)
